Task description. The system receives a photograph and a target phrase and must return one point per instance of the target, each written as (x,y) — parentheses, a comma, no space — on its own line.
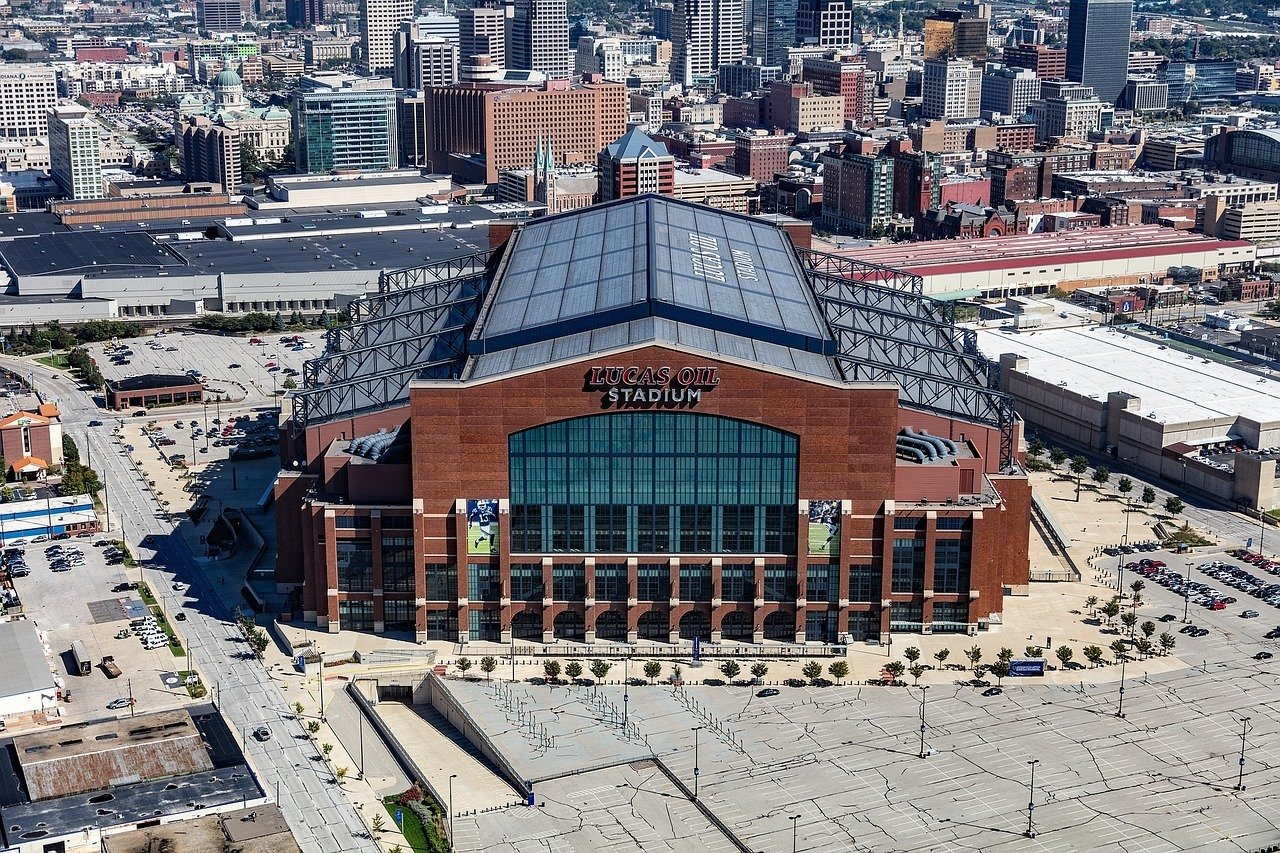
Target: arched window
(652,483)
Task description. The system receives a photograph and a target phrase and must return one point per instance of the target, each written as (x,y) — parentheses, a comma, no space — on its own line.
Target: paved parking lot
(176,352)
(80,605)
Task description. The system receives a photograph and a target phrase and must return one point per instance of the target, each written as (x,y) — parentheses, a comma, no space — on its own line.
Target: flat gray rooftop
(23,666)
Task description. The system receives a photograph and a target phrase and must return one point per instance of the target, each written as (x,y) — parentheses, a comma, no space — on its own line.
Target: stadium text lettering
(651,387)
(708,263)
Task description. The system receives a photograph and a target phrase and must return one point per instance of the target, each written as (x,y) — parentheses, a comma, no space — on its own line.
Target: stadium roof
(650,258)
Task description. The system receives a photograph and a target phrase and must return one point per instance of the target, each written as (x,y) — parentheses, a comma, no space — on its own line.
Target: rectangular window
(738,529)
(483,582)
(442,625)
(950,617)
(526,528)
(442,582)
(485,625)
(355,565)
(780,583)
(908,565)
(864,583)
(653,582)
(653,525)
(907,522)
(355,615)
(352,522)
(951,565)
(738,582)
(822,583)
(904,616)
(953,522)
(397,564)
(695,583)
(569,582)
(864,625)
(695,529)
(611,582)
(398,614)
(397,522)
(567,532)
(610,528)
(821,626)
(526,582)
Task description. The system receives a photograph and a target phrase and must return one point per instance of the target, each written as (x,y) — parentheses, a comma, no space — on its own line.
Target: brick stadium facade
(652,492)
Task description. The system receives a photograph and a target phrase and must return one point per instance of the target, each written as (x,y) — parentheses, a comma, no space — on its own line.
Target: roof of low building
(151,381)
(23,666)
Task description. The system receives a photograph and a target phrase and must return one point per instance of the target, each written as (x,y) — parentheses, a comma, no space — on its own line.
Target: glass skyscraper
(1098,45)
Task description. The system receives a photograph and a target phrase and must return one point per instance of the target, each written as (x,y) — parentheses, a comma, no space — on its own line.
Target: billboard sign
(482,526)
(824,528)
(1024,667)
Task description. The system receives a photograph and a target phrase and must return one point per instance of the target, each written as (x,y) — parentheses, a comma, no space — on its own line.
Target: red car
(256,340)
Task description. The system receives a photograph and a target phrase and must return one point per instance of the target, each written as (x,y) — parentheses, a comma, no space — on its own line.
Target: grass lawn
(57,360)
(421,839)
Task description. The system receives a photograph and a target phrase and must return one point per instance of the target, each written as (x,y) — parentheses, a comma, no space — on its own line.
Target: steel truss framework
(886,330)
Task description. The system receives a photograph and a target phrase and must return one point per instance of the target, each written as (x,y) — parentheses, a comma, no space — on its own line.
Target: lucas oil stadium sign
(651,387)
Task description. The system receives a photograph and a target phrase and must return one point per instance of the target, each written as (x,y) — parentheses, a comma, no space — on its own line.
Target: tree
(340,774)
(652,669)
(1064,654)
(259,641)
(1129,620)
(1173,506)
(1124,486)
(288,384)
(1111,609)
(1092,603)
(70,453)
(1005,654)
(1057,456)
(758,670)
(277,322)
(378,824)
(941,655)
(839,670)
(488,664)
(573,670)
(1035,447)
(895,669)
(1101,475)
(1148,629)
(313,726)
(1000,669)
(1119,649)
(297,708)
(730,669)
(326,748)
(1167,642)
(916,670)
(1078,466)
(911,653)
(463,664)
(250,161)
(677,673)
(1148,496)
(551,669)
(1093,654)
(1033,652)
(1137,586)
(600,668)
(975,657)
(812,671)
(1144,647)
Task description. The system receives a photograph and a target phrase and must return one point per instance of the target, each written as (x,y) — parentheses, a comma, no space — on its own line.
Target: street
(320,815)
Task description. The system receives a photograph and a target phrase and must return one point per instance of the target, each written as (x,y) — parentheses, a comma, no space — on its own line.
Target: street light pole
(626,687)
(696,771)
(1120,710)
(360,723)
(1031,800)
(1244,730)
(923,695)
(451,778)
(794,826)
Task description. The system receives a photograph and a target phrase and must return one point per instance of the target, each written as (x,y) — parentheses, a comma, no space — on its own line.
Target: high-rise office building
(773,29)
(705,34)
(304,14)
(539,38)
(423,60)
(222,16)
(27,94)
(850,78)
(345,122)
(1098,45)
(482,31)
(1049,63)
(951,88)
(380,20)
(949,32)
(210,153)
(75,159)
(1066,110)
(1009,91)
(824,23)
(635,165)
(857,196)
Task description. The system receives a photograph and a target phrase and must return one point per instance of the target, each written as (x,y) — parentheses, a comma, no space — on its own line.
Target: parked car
(119,704)
(768,692)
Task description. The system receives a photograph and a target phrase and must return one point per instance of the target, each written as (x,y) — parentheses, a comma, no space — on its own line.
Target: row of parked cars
(1117,550)
(64,559)
(148,631)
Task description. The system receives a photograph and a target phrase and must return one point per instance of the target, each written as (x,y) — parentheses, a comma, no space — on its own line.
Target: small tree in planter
(812,671)
(326,749)
(911,653)
(730,669)
(758,670)
(839,670)
(463,664)
(916,670)
(652,670)
(551,669)
(488,664)
(313,726)
(600,668)
(895,669)
(573,670)
(677,675)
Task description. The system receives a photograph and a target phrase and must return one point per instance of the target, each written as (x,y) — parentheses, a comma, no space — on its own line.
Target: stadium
(650,421)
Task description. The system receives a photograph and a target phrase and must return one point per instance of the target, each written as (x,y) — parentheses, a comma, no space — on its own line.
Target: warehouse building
(1196,422)
(26,679)
(651,421)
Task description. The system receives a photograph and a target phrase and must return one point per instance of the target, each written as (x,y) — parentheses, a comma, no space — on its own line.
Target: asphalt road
(320,815)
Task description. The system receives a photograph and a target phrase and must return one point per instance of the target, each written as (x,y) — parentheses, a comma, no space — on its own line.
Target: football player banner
(824,528)
(482,526)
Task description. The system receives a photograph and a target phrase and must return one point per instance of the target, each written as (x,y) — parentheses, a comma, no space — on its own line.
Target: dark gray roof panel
(651,257)
(651,330)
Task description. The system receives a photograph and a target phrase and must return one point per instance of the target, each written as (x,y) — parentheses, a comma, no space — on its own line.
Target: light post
(1186,607)
(451,778)
(206,426)
(360,723)
(1031,800)
(1120,710)
(696,771)
(1244,730)
(923,695)
(626,687)
(513,649)
(795,818)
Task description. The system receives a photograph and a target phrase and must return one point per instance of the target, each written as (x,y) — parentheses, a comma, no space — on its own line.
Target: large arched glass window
(653,482)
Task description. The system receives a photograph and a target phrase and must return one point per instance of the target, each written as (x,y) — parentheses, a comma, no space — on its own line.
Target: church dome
(226,78)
